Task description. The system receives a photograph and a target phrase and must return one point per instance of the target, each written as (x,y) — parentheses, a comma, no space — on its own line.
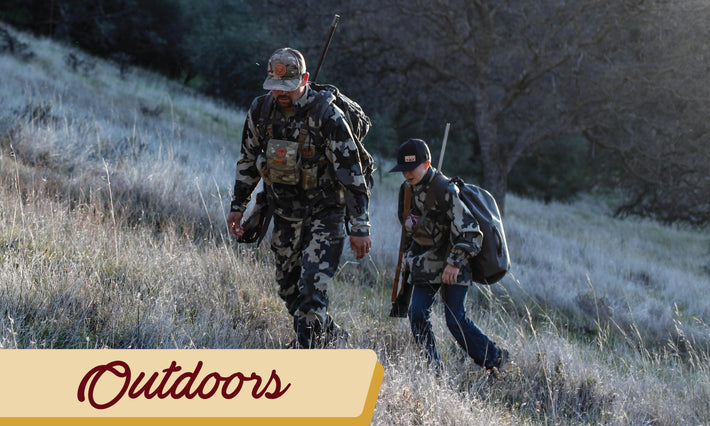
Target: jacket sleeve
(343,154)
(466,237)
(247,176)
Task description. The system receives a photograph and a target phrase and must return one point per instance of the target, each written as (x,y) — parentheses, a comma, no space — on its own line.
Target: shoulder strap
(264,110)
(322,101)
(436,190)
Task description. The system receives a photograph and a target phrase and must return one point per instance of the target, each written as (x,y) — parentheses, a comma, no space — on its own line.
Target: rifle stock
(395,284)
(401,293)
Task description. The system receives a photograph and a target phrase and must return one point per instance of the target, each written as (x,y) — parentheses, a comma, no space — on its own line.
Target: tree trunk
(495,176)
(495,179)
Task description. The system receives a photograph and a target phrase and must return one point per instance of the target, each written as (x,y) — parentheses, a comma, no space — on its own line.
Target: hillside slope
(113,193)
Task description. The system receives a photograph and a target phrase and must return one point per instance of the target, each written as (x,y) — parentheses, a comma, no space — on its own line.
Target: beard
(284,101)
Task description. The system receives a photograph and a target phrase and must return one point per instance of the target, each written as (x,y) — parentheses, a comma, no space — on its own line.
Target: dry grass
(113,194)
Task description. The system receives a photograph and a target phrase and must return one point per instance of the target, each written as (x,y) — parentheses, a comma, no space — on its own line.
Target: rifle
(402,294)
(438,167)
(336,18)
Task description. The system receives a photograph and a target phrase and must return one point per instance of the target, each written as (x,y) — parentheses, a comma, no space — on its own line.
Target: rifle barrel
(336,18)
(443,146)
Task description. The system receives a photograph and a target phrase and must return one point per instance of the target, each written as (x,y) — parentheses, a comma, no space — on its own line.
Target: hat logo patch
(410,158)
(279,70)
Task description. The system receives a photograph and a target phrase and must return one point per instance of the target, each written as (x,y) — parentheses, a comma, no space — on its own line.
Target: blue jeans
(469,337)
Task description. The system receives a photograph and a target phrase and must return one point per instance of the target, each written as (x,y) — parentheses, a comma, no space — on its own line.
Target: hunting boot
(499,362)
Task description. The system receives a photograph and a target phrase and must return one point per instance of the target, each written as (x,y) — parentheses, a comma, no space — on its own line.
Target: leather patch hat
(286,69)
(411,154)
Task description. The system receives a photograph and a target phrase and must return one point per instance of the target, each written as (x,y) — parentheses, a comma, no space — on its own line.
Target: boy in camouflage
(312,171)
(439,241)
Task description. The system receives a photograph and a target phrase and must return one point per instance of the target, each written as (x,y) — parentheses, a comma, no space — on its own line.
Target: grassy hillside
(113,194)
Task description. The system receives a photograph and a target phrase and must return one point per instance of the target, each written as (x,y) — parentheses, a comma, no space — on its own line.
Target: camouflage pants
(307,255)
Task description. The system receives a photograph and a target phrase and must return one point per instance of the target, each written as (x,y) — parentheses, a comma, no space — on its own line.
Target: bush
(558,170)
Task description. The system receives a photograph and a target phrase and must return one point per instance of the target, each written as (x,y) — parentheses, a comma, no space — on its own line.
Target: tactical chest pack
(293,162)
(290,162)
(424,228)
(283,163)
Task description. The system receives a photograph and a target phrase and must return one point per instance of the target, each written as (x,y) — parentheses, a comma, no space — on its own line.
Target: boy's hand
(450,274)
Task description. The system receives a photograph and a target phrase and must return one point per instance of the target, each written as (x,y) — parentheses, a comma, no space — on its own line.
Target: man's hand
(450,274)
(360,246)
(234,224)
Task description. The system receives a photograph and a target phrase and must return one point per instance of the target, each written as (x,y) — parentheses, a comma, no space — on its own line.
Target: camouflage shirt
(446,233)
(338,172)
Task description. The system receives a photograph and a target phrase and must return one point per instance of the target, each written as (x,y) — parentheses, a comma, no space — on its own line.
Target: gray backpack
(493,261)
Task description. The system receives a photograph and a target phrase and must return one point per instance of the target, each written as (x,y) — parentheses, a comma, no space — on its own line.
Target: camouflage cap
(286,69)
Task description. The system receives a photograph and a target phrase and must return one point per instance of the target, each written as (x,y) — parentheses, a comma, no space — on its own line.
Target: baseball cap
(286,69)
(411,154)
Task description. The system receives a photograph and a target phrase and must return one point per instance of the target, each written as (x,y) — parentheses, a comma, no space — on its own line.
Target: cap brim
(285,85)
(405,167)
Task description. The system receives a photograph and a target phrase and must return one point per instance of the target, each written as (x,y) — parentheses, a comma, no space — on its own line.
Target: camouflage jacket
(334,160)
(436,236)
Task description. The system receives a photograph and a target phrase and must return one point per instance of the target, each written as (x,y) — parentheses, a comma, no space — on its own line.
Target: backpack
(358,122)
(493,261)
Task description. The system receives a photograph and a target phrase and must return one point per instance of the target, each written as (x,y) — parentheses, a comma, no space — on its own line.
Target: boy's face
(416,175)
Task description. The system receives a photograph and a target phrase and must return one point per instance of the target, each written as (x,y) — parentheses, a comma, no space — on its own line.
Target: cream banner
(219,386)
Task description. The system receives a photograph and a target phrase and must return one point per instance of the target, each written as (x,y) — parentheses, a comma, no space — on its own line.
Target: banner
(163,386)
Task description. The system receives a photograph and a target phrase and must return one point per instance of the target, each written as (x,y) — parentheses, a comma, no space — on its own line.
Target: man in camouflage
(440,237)
(310,165)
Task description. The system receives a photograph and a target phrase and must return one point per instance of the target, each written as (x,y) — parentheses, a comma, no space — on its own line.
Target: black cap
(410,155)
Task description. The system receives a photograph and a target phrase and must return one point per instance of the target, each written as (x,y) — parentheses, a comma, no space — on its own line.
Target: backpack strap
(265,109)
(321,104)
(437,188)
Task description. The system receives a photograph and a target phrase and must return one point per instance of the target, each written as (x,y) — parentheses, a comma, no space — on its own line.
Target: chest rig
(426,225)
(290,152)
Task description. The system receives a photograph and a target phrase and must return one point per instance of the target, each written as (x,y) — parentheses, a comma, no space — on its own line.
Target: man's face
(416,175)
(286,99)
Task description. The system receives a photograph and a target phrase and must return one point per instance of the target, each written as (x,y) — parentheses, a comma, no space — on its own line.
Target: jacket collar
(304,100)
